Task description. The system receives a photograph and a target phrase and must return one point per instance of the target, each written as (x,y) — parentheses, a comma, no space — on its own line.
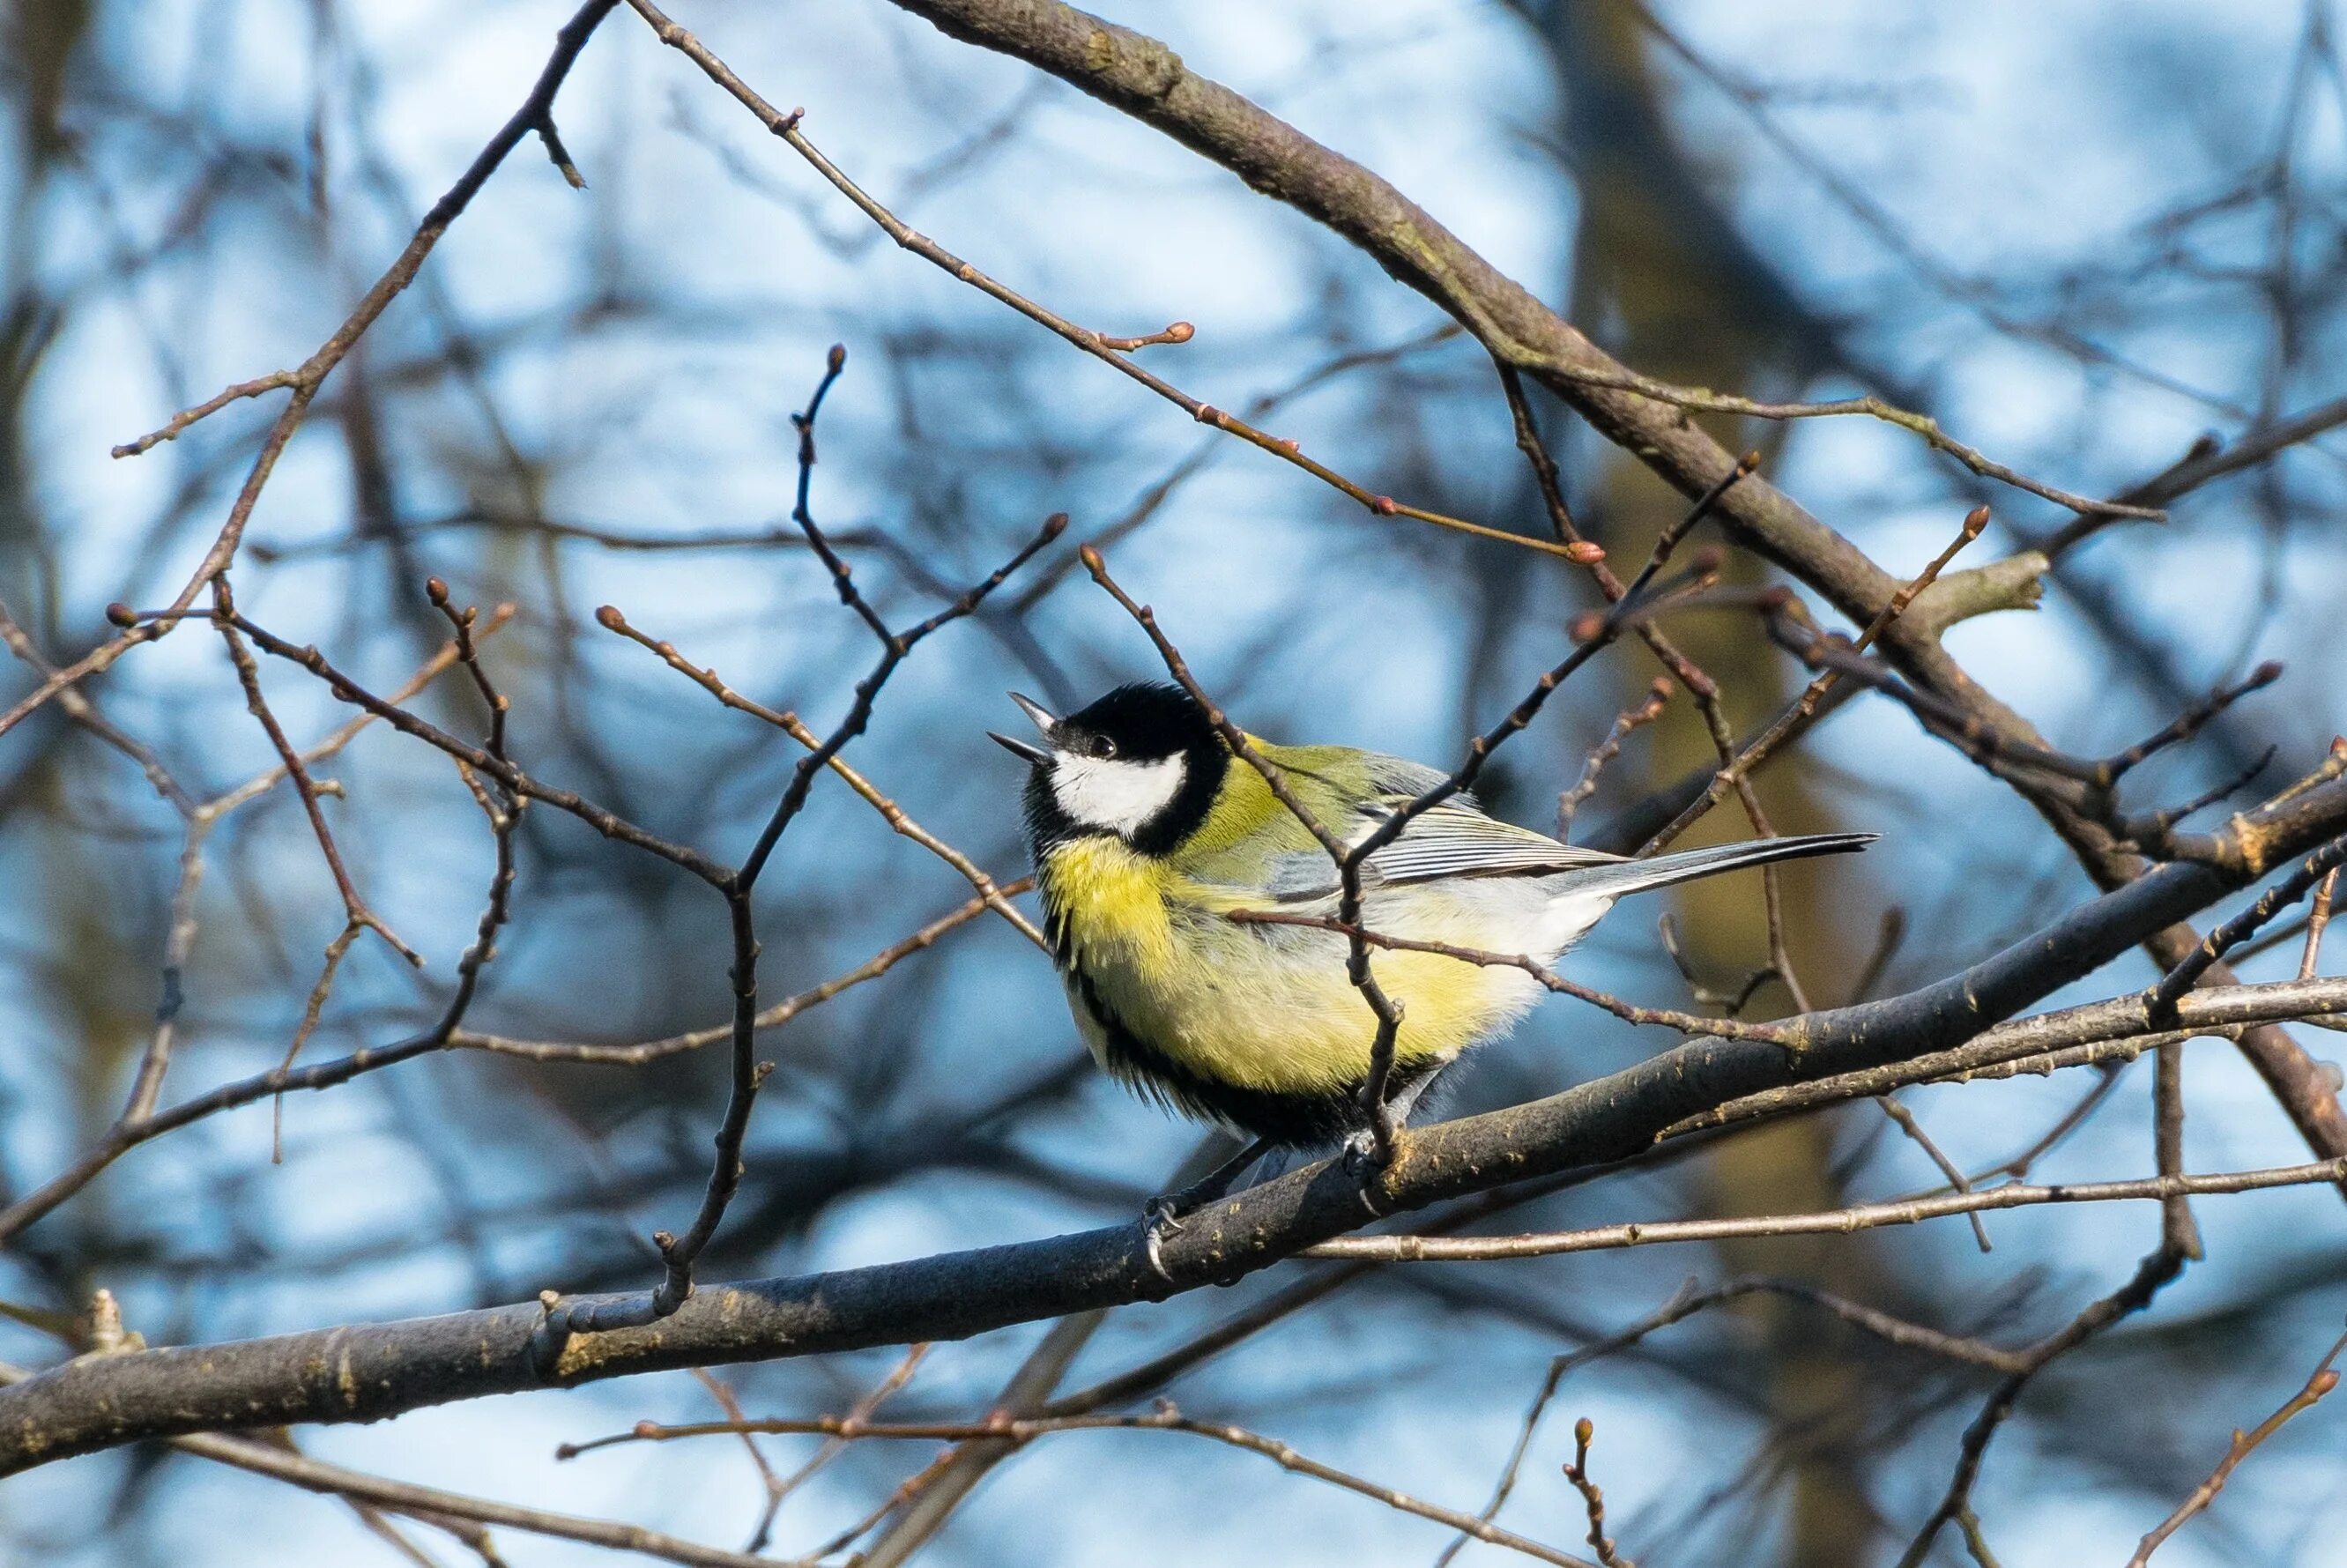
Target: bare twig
(1110,351)
(1831,1222)
(1807,708)
(1577,1471)
(1164,1419)
(2315,868)
(355,908)
(604,821)
(1701,400)
(636,1054)
(2318,919)
(305,380)
(2178,1231)
(1630,718)
(790,723)
(2154,1274)
(139,1121)
(1690,1300)
(679,1253)
(1905,1120)
(2320,1383)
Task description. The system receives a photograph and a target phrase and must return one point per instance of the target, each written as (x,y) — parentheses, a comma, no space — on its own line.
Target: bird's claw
(1158,1221)
(1365,1159)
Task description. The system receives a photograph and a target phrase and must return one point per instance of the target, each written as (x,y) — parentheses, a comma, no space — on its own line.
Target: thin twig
(2179,1232)
(2153,1275)
(355,908)
(1164,1419)
(679,1253)
(2322,1380)
(305,380)
(1593,1499)
(1113,352)
(1630,718)
(792,725)
(2318,919)
(862,1410)
(1830,1222)
(636,1054)
(2315,868)
(1701,400)
(604,821)
(1905,1120)
(1806,709)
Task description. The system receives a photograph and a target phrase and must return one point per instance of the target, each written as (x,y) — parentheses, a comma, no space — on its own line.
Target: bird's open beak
(1044,722)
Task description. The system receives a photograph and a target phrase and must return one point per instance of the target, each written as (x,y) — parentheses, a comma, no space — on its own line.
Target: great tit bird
(1148,832)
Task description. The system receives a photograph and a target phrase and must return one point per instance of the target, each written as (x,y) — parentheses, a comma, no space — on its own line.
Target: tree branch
(367,1372)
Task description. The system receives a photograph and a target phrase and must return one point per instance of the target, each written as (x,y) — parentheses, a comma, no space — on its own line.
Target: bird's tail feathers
(1664,870)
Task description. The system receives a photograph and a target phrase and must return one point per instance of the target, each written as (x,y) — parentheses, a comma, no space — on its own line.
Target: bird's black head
(1143,762)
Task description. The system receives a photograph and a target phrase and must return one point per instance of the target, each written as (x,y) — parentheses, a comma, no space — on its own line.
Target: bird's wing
(1453,839)
(1402,778)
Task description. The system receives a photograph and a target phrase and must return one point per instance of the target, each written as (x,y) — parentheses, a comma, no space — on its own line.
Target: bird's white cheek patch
(1117,796)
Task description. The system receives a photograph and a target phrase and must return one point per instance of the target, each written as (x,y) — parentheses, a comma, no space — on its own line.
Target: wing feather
(1453,839)
(1457,840)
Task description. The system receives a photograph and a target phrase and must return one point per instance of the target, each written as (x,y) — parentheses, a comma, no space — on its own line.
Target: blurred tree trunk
(1662,277)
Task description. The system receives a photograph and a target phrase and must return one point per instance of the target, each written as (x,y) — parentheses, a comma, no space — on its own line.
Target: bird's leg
(1169,1207)
(1361,1146)
(1405,1102)
(1162,1216)
(1362,1143)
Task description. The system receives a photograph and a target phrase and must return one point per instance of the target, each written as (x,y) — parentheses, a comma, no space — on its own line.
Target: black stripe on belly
(1293,1121)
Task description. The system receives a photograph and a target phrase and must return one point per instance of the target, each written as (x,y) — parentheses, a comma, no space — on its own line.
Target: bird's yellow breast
(1109,904)
(1260,1008)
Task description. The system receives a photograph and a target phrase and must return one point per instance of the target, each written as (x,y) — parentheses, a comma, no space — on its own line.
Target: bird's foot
(1368,1155)
(1161,1217)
